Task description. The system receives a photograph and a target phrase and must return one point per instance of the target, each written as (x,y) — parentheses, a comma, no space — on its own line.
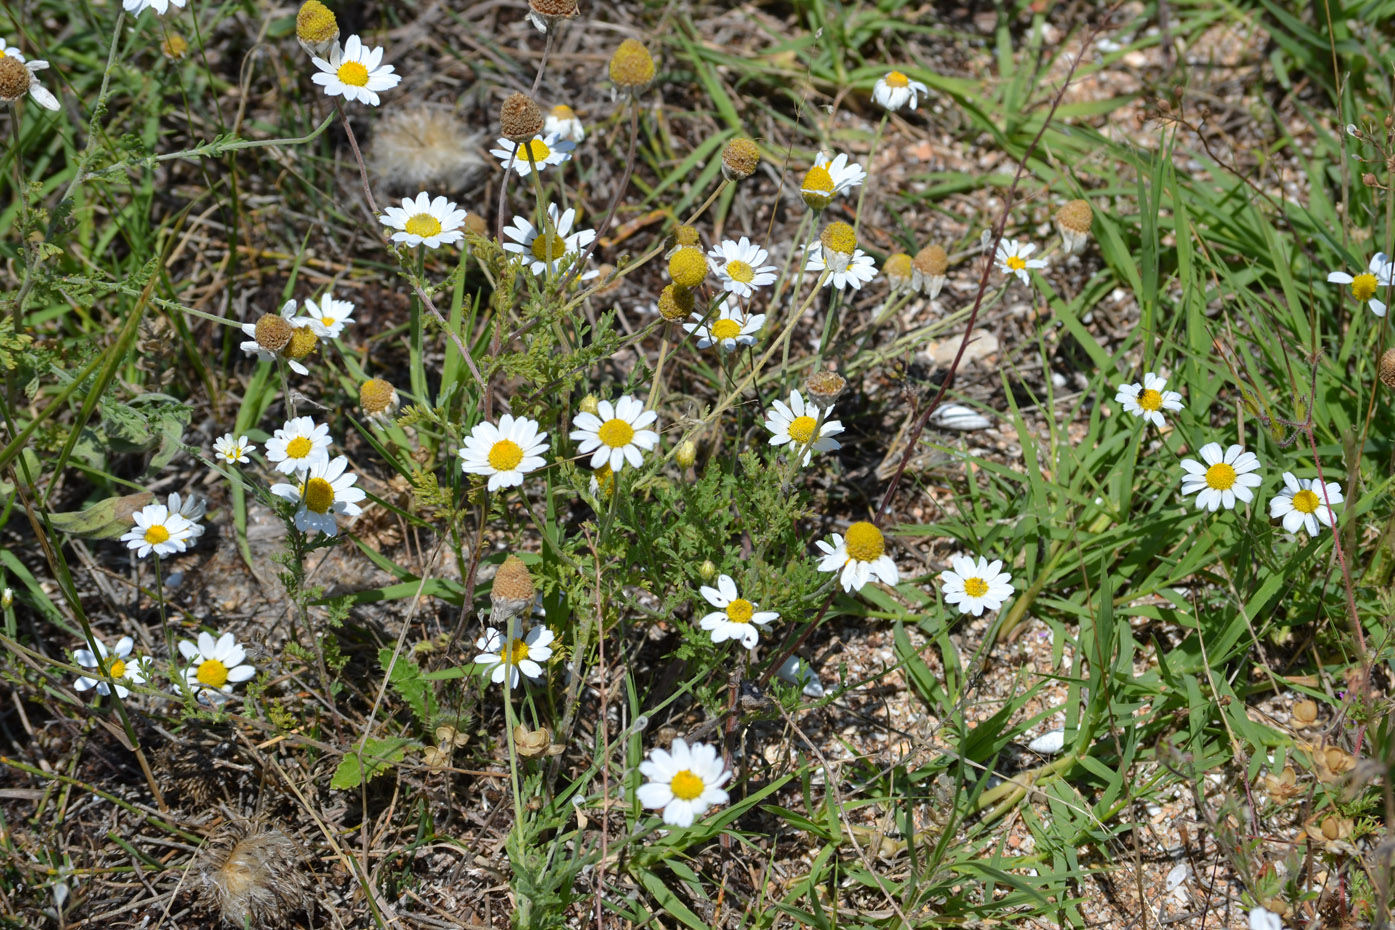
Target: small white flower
(325,492)
(329,317)
(547,151)
(158,530)
(616,434)
(544,253)
(976,586)
(1224,479)
(729,329)
(562,122)
(423,221)
(355,72)
(161,7)
(843,173)
(741,266)
(846,270)
(298,445)
(215,665)
(683,782)
(1305,504)
(252,347)
(861,557)
(233,450)
(1012,258)
(505,452)
(794,424)
(116,664)
(517,652)
(894,90)
(1380,273)
(738,618)
(1261,919)
(192,508)
(1148,400)
(7,597)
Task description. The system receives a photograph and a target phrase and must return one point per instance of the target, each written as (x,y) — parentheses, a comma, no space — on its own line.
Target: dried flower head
(1387,368)
(316,29)
(274,332)
(545,14)
(897,269)
(424,147)
(928,270)
(739,159)
(252,873)
(14,78)
(688,267)
(174,47)
(676,303)
(513,590)
(1305,713)
(631,67)
(1073,223)
(519,118)
(825,387)
(534,744)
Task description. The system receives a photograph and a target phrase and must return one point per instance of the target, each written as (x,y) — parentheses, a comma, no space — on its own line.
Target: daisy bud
(825,387)
(513,590)
(676,303)
(274,331)
(686,453)
(838,238)
(14,78)
(174,47)
(519,118)
(688,267)
(7,598)
(1073,223)
(707,570)
(897,270)
(316,29)
(302,343)
(378,399)
(1387,368)
(545,14)
(739,159)
(590,404)
(1370,180)
(631,67)
(928,270)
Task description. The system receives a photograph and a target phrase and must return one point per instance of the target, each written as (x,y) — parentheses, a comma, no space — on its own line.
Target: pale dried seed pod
(1387,368)
(274,332)
(1073,223)
(513,590)
(14,78)
(739,159)
(825,387)
(253,875)
(519,118)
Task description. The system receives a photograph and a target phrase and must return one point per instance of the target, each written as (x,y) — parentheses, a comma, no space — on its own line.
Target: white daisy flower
(215,665)
(794,424)
(505,452)
(683,782)
(738,618)
(517,652)
(894,90)
(1380,273)
(1305,503)
(562,122)
(1225,478)
(861,557)
(20,83)
(846,270)
(544,253)
(252,347)
(192,508)
(299,444)
(1012,258)
(616,434)
(355,72)
(976,586)
(158,530)
(161,7)
(325,492)
(233,450)
(741,266)
(329,317)
(547,151)
(841,174)
(423,221)
(1148,400)
(730,328)
(116,664)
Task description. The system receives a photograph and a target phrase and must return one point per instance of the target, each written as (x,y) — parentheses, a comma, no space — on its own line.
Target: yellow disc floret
(212,673)
(724,329)
(896,79)
(375,396)
(686,786)
(817,189)
(505,455)
(864,542)
(302,343)
(739,159)
(315,23)
(975,587)
(1305,501)
(1150,399)
(1363,286)
(353,74)
(1220,476)
(616,433)
(839,237)
(688,267)
(675,303)
(632,67)
(156,534)
(802,429)
(318,495)
(740,610)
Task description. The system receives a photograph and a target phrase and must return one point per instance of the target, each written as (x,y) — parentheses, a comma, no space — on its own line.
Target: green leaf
(377,756)
(406,679)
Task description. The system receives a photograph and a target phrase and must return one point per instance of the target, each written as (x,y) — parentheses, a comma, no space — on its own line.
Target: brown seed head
(376,396)
(1387,368)
(519,118)
(512,581)
(553,9)
(274,332)
(676,303)
(825,386)
(302,343)
(631,67)
(252,874)
(1370,180)
(14,78)
(739,159)
(1076,216)
(931,261)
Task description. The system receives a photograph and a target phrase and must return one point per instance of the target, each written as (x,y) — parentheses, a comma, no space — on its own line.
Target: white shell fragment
(797,672)
(956,416)
(1050,742)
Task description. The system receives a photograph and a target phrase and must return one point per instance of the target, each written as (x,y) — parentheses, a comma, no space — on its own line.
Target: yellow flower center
(738,270)
(505,455)
(688,267)
(315,22)
(839,237)
(327,320)
(1016,263)
(740,610)
(548,247)
(424,225)
(116,668)
(605,480)
(802,429)
(298,448)
(562,111)
(686,786)
(302,343)
(515,652)
(1305,501)
(864,542)
(1150,399)
(817,179)
(975,587)
(539,150)
(726,329)
(1363,286)
(1220,477)
(156,534)
(212,673)
(353,74)
(897,79)
(616,433)
(319,495)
